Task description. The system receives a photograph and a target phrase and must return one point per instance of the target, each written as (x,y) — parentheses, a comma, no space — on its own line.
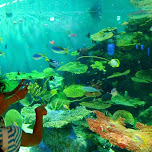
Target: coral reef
(13,117)
(117,134)
(126,115)
(74,67)
(74,91)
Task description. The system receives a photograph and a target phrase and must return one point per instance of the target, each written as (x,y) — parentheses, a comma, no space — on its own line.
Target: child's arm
(35,138)
(7,94)
(5,103)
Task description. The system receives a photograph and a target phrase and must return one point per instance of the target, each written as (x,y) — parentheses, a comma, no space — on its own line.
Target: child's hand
(22,93)
(41,110)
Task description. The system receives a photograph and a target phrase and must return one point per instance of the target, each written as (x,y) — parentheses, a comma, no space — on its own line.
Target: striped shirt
(14,138)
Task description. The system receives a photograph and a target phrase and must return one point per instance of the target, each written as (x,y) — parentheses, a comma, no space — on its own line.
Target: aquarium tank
(89,62)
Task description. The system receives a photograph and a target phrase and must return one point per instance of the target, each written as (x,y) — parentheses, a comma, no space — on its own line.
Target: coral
(104,34)
(58,119)
(126,115)
(117,134)
(143,76)
(95,105)
(74,67)
(118,74)
(98,65)
(55,119)
(49,72)
(74,91)
(58,103)
(56,83)
(21,75)
(126,101)
(146,116)
(74,53)
(13,117)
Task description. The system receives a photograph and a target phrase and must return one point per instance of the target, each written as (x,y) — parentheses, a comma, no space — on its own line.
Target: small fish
(20,20)
(90,89)
(1,40)
(88,35)
(142,47)
(5,46)
(2,54)
(53,63)
(59,50)
(52,19)
(114,92)
(52,42)
(125,23)
(150,29)
(114,63)
(73,35)
(38,56)
(15,22)
(66,107)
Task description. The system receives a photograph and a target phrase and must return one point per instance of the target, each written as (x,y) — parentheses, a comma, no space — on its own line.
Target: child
(12,137)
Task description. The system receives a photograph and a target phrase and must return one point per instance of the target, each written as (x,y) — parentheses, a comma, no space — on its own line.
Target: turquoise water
(101,56)
(33,33)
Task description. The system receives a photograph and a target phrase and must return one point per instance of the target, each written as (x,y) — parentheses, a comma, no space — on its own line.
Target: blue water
(33,30)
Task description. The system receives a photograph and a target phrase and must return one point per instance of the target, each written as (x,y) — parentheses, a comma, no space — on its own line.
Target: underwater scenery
(90,62)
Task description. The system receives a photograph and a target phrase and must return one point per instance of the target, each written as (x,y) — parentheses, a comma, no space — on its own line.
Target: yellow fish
(1,40)
(66,107)
(1,53)
(125,23)
(114,63)
(141,139)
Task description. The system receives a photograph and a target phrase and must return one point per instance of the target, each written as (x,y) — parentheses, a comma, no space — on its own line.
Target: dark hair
(1,150)
(2,86)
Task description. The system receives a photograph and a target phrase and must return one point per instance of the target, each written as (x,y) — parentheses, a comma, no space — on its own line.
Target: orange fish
(52,42)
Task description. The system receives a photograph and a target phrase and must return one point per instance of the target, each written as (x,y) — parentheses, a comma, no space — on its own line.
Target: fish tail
(66,50)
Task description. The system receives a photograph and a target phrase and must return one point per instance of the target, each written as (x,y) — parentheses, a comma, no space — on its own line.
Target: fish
(125,23)
(66,107)
(59,50)
(141,139)
(142,47)
(1,40)
(150,29)
(110,49)
(2,54)
(114,63)
(52,42)
(88,35)
(38,56)
(5,46)
(52,19)
(90,89)
(73,35)
(53,63)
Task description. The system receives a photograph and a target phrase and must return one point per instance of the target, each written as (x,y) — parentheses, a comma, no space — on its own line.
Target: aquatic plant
(13,117)
(74,91)
(146,116)
(118,74)
(117,134)
(126,115)
(126,100)
(98,65)
(74,67)
(95,105)
(143,76)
